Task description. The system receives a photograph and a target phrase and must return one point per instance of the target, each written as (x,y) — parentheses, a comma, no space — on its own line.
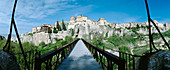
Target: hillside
(130,36)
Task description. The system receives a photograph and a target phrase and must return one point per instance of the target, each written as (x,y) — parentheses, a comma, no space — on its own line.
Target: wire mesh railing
(107,60)
(51,60)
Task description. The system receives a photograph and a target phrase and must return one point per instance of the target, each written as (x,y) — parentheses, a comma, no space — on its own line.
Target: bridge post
(121,65)
(37,63)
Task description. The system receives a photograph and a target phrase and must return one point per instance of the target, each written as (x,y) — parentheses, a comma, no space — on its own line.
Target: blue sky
(32,13)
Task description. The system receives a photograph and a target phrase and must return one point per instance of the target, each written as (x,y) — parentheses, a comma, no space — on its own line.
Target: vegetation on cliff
(58,26)
(136,44)
(42,46)
(55,30)
(63,26)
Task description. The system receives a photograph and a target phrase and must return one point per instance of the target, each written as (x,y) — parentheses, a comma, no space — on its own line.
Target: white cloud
(164,20)
(131,19)
(33,9)
(29,10)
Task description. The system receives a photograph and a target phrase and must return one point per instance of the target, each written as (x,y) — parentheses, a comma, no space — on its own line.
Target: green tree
(124,49)
(56,39)
(106,35)
(68,39)
(98,43)
(64,43)
(30,34)
(78,31)
(63,26)
(28,46)
(72,30)
(54,30)
(109,26)
(101,37)
(58,26)
(42,44)
(137,26)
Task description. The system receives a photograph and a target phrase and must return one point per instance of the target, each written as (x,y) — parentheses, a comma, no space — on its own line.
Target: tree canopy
(54,30)
(63,26)
(58,26)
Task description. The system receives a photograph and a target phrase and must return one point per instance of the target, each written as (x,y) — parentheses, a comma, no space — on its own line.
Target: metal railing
(30,55)
(107,60)
(51,60)
(130,60)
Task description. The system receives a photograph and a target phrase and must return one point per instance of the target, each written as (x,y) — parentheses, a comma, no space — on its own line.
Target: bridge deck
(80,58)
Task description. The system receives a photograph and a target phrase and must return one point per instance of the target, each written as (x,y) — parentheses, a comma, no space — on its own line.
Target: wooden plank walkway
(80,58)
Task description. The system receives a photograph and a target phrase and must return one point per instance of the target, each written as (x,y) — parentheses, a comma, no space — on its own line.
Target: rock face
(7,63)
(157,61)
(82,27)
(37,38)
(2,38)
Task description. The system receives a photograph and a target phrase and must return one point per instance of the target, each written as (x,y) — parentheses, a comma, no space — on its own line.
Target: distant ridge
(6,35)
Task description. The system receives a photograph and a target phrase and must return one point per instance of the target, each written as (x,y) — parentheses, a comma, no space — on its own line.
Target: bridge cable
(16,31)
(150,35)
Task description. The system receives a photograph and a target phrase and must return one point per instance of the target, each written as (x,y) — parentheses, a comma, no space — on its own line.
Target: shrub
(134,30)
(106,35)
(64,43)
(109,26)
(98,43)
(124,49)
(42,44)
(137,26)
(28,46)
(58,26)
(68,39)
(2,44)
(30,34)
(155,35)
(54,30)
(72,30)
(167,33)
(63,26)
(34,32)
(56,39)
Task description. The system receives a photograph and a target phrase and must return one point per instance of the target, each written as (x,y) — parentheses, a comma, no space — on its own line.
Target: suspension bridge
(79,58)
(77,55)
(81,55)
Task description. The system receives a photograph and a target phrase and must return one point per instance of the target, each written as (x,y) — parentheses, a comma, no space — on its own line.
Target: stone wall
(158,61)
(7,62)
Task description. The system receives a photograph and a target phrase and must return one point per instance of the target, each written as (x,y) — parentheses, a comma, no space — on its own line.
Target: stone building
(81,18)
(84,21)
(127,25)
(102,21)
(167,24)
(72,20)
(113,24)
(47,28)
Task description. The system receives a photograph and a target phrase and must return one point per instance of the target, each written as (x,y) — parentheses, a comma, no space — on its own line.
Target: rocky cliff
(158,61)
(82,27)
(37,38)
(87,31)
(7,62)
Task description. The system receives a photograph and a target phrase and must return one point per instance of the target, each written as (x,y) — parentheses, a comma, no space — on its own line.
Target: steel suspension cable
(16,31)
(150,35)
